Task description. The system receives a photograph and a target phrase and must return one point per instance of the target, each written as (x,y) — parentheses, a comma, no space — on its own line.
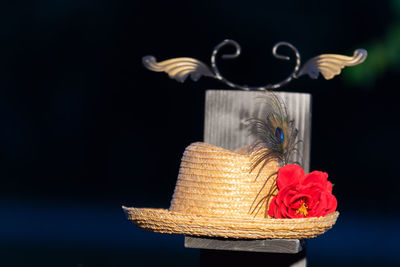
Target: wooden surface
(226,112)
(264,245)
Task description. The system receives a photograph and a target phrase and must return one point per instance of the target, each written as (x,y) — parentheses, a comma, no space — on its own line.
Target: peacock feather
(276,140)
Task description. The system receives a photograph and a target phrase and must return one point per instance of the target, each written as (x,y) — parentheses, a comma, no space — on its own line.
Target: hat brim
(165,221)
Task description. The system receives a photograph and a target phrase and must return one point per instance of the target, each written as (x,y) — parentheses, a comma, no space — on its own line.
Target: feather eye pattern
(179,68)
(275,133)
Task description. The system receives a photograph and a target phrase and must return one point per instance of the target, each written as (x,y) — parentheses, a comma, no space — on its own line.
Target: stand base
(290,246)
(218,258)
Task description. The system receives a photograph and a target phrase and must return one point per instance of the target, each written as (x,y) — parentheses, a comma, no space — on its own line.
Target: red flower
(302,195)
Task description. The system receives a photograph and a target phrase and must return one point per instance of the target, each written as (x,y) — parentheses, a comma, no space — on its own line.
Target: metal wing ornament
(329,65)
(179,68)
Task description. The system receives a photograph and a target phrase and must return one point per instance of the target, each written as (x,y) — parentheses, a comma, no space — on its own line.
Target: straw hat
(215,195)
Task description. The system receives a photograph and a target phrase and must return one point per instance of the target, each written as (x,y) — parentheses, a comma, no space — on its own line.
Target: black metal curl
(226,42)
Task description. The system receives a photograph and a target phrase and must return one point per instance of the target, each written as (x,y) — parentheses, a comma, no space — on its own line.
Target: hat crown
(216,182)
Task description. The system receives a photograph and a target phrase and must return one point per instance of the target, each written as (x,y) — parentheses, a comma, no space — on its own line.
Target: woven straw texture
(164,221)
(214,181)
(216,195)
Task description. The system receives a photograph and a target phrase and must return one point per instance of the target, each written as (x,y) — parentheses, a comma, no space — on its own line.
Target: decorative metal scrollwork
(329,65)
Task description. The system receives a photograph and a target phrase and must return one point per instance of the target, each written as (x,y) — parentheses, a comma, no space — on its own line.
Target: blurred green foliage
(383,55)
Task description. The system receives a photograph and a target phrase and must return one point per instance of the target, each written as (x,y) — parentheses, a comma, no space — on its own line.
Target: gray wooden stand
(226,113)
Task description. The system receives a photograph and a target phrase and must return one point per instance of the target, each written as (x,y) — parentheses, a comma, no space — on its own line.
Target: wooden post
(226,112)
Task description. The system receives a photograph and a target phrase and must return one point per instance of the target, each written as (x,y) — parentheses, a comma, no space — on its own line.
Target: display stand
(226,114)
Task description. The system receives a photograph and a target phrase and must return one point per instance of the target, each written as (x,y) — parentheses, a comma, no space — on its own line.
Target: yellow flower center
(302,210)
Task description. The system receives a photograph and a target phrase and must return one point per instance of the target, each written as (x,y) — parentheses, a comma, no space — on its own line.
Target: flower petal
(316,177)
(332,203)
(289,174)
(272,207)
(329,187)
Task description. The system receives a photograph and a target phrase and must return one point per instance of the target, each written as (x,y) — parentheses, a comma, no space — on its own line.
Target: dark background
(85,128)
